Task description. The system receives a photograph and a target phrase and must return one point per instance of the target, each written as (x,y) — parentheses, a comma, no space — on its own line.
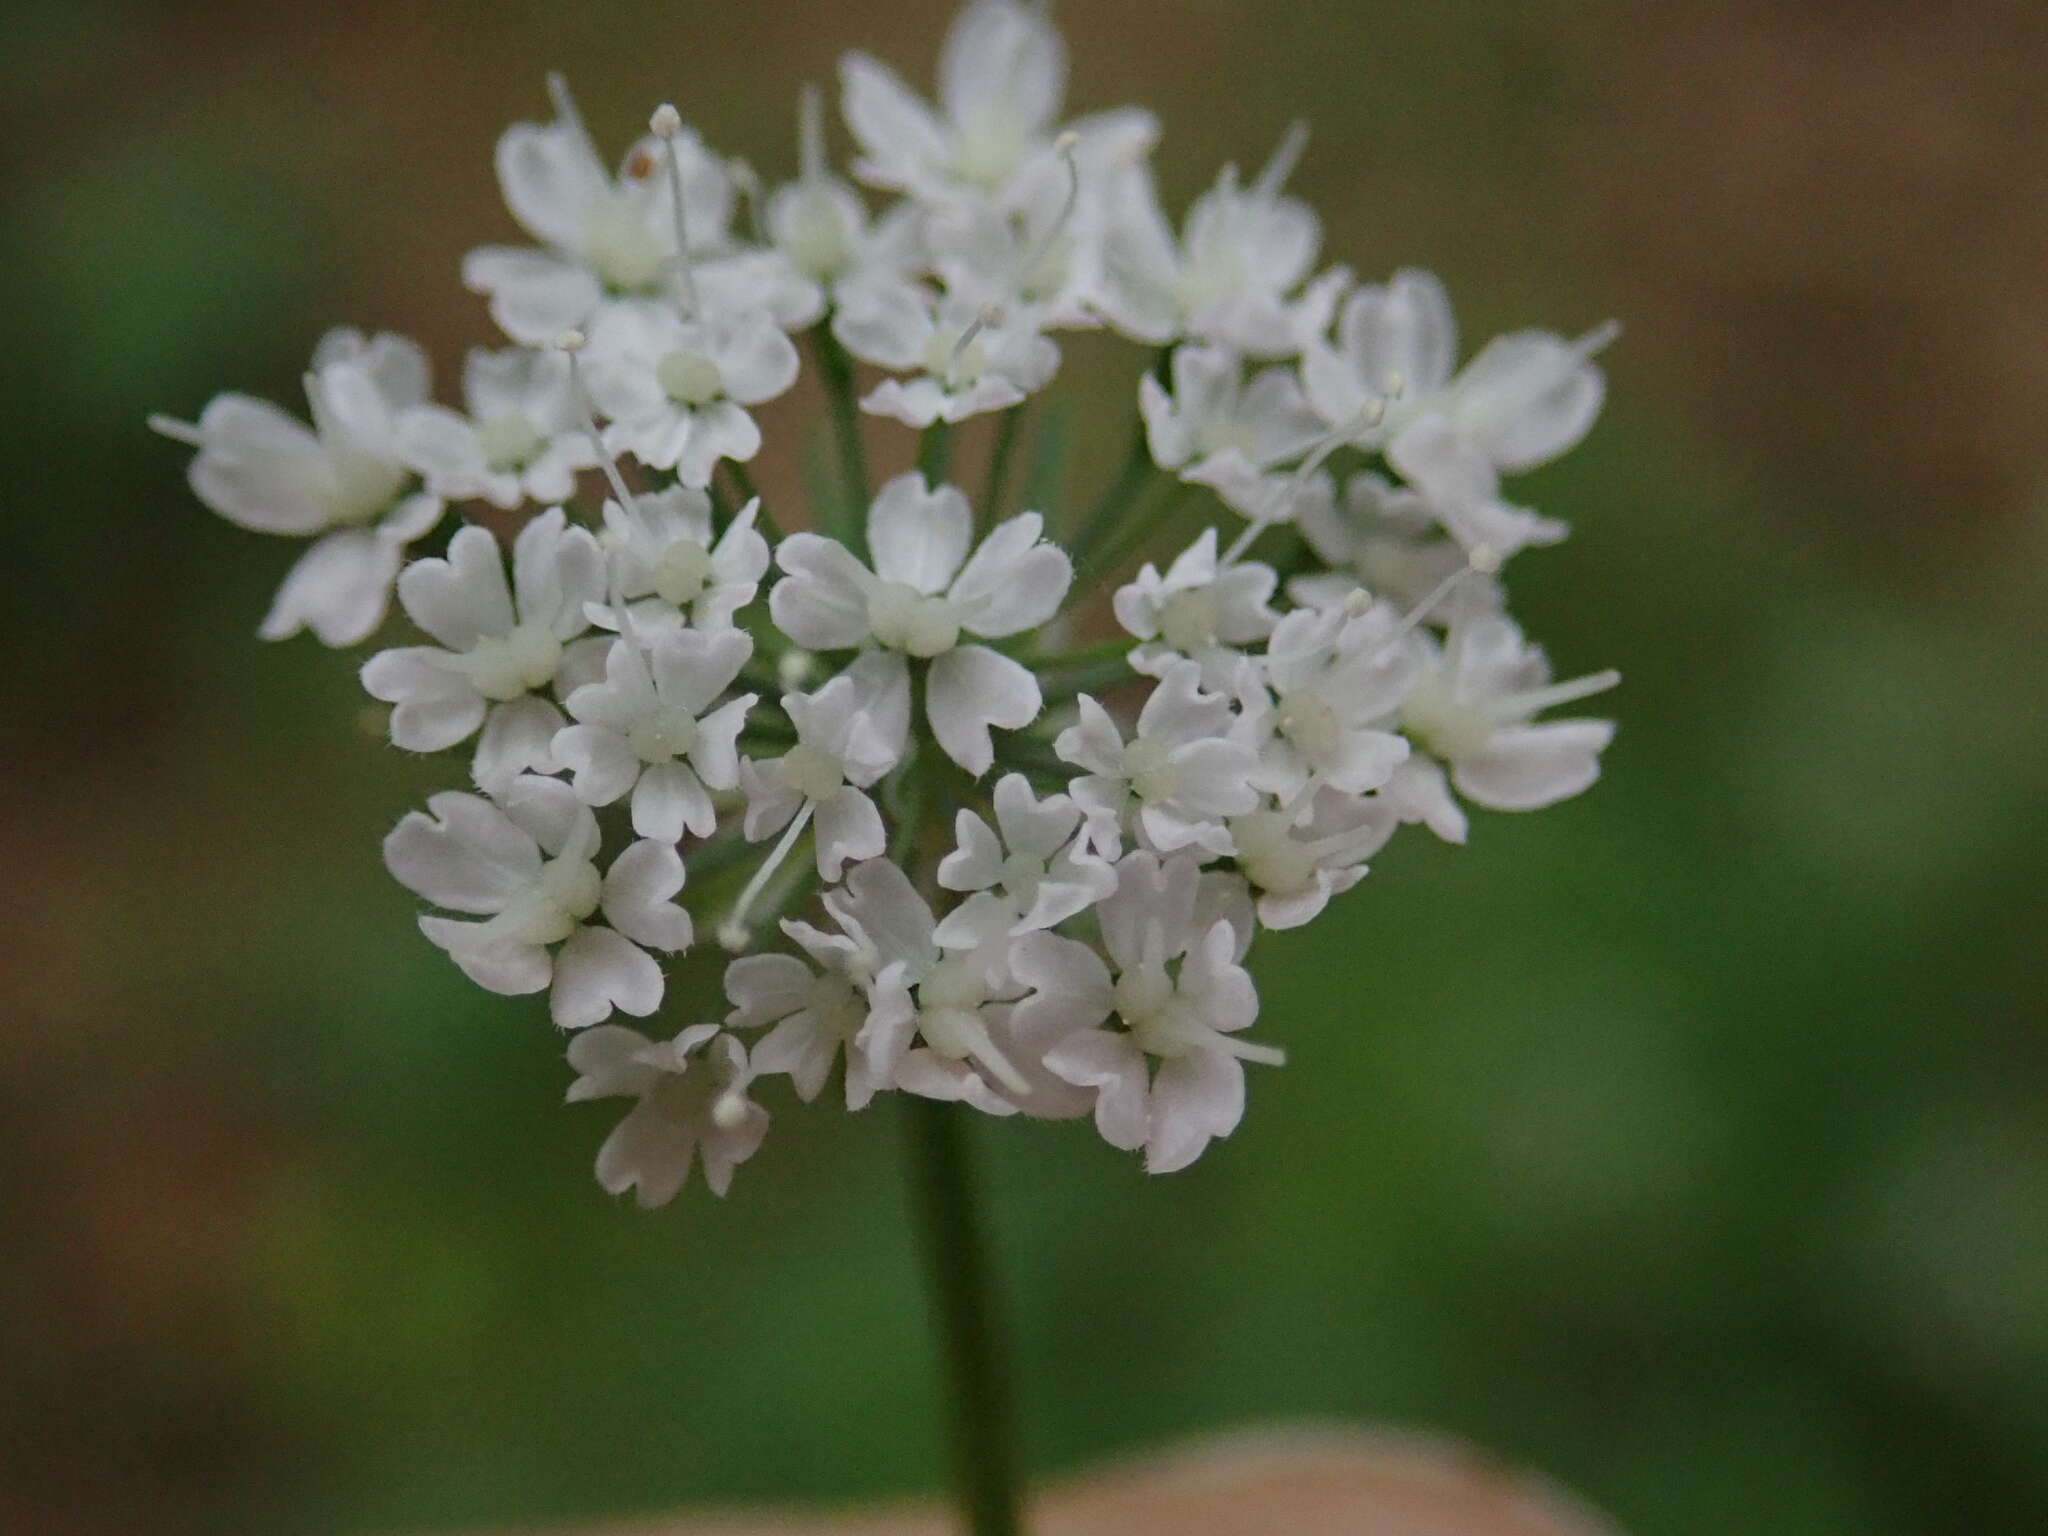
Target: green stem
(1170,495)
(963,1299)
(837,368)
(935,452)
(990,512)
(1102,519)
(744,491)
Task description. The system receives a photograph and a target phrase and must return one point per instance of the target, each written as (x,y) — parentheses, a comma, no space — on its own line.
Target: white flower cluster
(1041,869)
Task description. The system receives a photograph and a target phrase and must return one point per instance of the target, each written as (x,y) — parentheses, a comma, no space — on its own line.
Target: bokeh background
(1689,1141)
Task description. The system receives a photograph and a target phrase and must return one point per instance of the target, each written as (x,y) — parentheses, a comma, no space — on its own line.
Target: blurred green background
(1688,1141)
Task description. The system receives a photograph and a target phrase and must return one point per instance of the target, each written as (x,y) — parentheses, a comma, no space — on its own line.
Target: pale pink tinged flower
(1334,679)
(1171,1079)
(1033,870)
(670,567)
(693,1106)
(847,738)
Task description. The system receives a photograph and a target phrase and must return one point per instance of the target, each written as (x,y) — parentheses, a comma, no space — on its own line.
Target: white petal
(510,970)
(598,970)
(848,829)
(764,988)
(460,599)
(976,861)
(339,589)
(1194,1098)
(897,131)
(918,535)
(1526,767)
(1113,1066)
(669,800)
(435,707)
(1014,582)
(602,766)
(971,688)
(823,605)
(518,737)
(637,896)
(466,855)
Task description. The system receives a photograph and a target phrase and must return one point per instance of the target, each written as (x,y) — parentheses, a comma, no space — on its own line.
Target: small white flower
(967,359)
(693,1103)
(498,654)
(1181,998)
(1298,865)
(522,439)
(1232,276)
(526,866)
(1216,430)
(677,390)
(345,482)
(494,652)
(649,728)
(815,1013)
(1035,246)
(1175,782)
(1198,612)
(1035,873)
(1526,398)
(920,599)
(1335,676)
(1473,708)
(974,1046)
(663,549)
(1393,540)
(1002,79)
(820,225)
(883,948)
(603,238)
(847,737)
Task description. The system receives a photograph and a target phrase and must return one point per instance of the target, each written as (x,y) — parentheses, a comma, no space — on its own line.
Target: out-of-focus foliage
(1688,1141)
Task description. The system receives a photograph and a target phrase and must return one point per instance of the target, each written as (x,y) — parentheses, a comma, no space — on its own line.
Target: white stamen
(736,921)
(1533,701)
(810,135)
(1286,156)
(666,124)
(1064,146)
(570,343)
(565,109)
(729,1109)
(177,431)
(747,182)
(1364,419)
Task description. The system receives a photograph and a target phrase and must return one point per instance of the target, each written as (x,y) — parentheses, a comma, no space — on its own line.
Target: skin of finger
(1313,1483)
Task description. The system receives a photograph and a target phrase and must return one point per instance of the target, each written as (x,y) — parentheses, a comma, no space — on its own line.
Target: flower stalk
(966,1311)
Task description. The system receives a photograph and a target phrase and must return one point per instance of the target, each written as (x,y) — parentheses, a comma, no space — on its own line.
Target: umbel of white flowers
(1037,869)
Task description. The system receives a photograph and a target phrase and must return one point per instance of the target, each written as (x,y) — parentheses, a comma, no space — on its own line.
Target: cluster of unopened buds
(1037,864)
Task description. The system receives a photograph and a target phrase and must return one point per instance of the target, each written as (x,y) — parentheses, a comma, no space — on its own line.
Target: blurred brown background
(1689,1141)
